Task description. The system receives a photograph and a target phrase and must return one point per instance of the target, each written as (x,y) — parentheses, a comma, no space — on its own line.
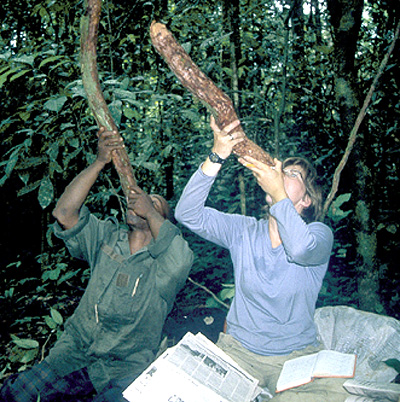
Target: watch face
(215,158)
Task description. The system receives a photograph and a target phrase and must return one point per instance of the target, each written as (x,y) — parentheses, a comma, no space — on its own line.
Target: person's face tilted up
(295,187)
(140,207)
(294,178)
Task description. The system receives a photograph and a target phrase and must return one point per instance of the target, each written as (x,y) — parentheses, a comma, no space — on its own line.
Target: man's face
(159,204)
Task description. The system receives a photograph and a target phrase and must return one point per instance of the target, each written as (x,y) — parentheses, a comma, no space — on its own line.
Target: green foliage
(24,350)
(394,363)
(225,295)
(335,212)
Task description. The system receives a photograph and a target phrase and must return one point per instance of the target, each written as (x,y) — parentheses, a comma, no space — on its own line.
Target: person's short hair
(313,189)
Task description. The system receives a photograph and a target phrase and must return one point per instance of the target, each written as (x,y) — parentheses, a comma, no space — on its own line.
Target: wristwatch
(215,158)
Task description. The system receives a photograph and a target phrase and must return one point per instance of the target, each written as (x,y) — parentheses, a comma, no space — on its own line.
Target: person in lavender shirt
(279,264)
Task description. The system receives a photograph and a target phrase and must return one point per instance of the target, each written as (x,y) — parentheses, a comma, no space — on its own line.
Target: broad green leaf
(212,303)
(129,113)
(12,161)
(20,74)
(116,111)
(3,77)
(24,116)
(53,151)
(46,192)
(74,142)
(394,363)
(55,105)
(335,210)
(8,294)
(54,274)
(5,56)
(50,60)
(67,276)
(392,228)
(132,38)
(50,322)
(227,293)
(26,343)
(57,317)
(25,59)
(32,162)
(28,188)
(29,355)
(24,177)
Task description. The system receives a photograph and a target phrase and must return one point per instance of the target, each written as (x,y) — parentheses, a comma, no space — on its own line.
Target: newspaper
(374,390)
(194,370)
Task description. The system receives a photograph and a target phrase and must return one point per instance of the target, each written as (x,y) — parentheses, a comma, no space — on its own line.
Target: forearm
(155,222)
(209,168)
(224,142)
(210,224)
(67,209)
(304,244)
(190,208)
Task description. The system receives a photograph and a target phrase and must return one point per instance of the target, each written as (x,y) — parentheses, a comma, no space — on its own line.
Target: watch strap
(215,158)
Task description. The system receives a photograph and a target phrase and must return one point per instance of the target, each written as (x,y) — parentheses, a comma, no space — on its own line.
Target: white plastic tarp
(372,337)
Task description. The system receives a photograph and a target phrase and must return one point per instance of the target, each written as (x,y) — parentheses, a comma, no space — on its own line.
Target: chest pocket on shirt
(128,287)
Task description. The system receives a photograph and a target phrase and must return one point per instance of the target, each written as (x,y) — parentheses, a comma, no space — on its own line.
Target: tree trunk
(316,25)
(346,22)
(168,162)
(90,79)
(232,21)
(282,102)
(298,77)
(202,87)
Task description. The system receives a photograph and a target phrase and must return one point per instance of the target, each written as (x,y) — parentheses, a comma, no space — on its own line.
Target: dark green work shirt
(116,328)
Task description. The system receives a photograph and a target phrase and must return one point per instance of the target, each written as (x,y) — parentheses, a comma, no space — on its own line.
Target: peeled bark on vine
(202,87)
(90,79)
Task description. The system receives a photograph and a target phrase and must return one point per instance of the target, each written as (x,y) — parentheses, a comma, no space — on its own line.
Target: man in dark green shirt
(136,273)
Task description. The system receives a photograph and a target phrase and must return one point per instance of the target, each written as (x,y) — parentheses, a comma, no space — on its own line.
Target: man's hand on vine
(109,141)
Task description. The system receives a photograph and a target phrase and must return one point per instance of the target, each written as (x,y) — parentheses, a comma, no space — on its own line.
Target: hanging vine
(89,35)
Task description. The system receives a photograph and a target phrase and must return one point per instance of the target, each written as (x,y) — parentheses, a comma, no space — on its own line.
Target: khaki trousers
(266,369)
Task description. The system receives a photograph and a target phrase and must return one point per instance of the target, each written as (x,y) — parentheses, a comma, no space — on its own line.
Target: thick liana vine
(90,78)
(202,87)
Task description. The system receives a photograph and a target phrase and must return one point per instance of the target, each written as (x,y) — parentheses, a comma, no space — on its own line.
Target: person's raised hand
(109,141)
(269,178)
(227,138)
(140,202)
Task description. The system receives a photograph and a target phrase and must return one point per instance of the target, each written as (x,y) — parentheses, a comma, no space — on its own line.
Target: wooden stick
(202,87)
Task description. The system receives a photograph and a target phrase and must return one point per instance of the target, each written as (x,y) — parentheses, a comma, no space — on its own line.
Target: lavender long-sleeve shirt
(276,289)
